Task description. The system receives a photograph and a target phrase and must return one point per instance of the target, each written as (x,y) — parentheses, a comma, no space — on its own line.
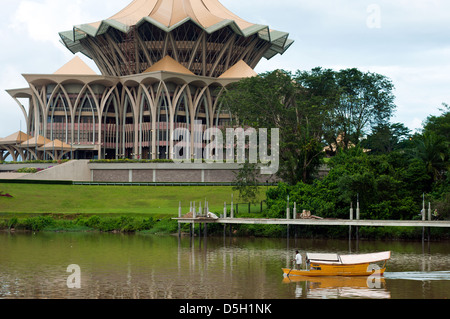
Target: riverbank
(83,223)
(150,209)
(167,226)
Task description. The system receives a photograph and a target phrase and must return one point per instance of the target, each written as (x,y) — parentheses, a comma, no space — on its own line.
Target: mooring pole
(423,217)
(194,215)
(429,211)
(351,218)
(357,217)
(225,210)
(288,211)
(232,212)
(295,217)
(357,209)
(179,216)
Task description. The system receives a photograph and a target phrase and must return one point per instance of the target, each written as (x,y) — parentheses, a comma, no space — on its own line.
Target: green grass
(134,200)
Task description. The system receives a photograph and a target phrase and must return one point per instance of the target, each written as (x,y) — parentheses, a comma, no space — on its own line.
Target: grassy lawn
(135,200)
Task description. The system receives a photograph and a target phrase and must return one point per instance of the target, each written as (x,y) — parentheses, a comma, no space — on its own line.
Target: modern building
(163,65)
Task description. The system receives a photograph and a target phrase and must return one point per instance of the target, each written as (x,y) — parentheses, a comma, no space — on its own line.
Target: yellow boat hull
(336,270)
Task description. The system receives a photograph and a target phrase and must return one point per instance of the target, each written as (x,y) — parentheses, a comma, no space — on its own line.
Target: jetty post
(224,216)
(194,215)
(200,214)
(232,211)
(358,211)
(288,216)
(179,216)
(423,217)
(350,226)
(295,217)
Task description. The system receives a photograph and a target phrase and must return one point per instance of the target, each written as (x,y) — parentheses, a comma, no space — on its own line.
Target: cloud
(42,20)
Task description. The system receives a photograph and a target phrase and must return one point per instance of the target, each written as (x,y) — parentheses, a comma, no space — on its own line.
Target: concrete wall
(83,171)
(166,173)
(70,171)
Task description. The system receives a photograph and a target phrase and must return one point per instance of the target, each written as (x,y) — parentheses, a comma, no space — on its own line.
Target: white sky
(405,40)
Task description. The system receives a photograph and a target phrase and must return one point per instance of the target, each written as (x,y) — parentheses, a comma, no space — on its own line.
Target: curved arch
(145,127)
(128,125)
(59,124)
(202,108)
(220,114)
(163,116)
(40,109)
(182,110)
(86,124)
(110,128)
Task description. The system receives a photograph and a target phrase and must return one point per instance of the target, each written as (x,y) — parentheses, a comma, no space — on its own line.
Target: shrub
(12,222)
(38,223)
(29,170)
(93,221)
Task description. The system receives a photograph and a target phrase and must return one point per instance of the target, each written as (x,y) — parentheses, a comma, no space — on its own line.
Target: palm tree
(432,149)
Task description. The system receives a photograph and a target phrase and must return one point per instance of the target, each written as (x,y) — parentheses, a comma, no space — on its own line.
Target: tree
(351,102)
(311,108)
(386,138)
(271,100)
(246,182)
(440,125)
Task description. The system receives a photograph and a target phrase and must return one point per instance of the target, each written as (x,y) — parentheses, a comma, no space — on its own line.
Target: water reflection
(338,287)
(116,266)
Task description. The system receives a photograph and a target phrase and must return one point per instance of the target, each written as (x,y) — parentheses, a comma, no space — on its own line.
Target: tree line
(343,119)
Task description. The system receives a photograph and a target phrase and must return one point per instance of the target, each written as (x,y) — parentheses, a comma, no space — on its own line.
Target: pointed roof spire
(170,65)
(239,70)
(76,66)
(57,145)
(16,138)
(39,141)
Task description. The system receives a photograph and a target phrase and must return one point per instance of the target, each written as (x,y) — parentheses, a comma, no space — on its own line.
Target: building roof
(16,138)
(57,145)
(76,66)
(239,70)
(39,141)
(170,65)
(167,15)
(206,13)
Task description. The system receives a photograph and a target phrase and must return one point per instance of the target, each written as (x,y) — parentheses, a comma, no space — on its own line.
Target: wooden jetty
(315,222)
(203,217)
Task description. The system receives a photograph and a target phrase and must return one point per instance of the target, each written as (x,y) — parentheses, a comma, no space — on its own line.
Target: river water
(118,266)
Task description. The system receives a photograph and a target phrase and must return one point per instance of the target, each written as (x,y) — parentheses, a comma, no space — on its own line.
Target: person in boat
(298,260)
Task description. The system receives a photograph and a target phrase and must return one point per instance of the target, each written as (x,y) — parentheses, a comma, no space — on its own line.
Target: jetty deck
(316,222)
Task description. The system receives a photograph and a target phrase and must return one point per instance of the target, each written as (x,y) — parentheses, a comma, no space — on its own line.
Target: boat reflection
(338,287)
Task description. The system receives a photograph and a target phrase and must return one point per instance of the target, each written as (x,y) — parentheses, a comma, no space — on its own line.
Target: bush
(29,170)
(38,223)
(126,224)
(166,226)
(12,222)
(93,221)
